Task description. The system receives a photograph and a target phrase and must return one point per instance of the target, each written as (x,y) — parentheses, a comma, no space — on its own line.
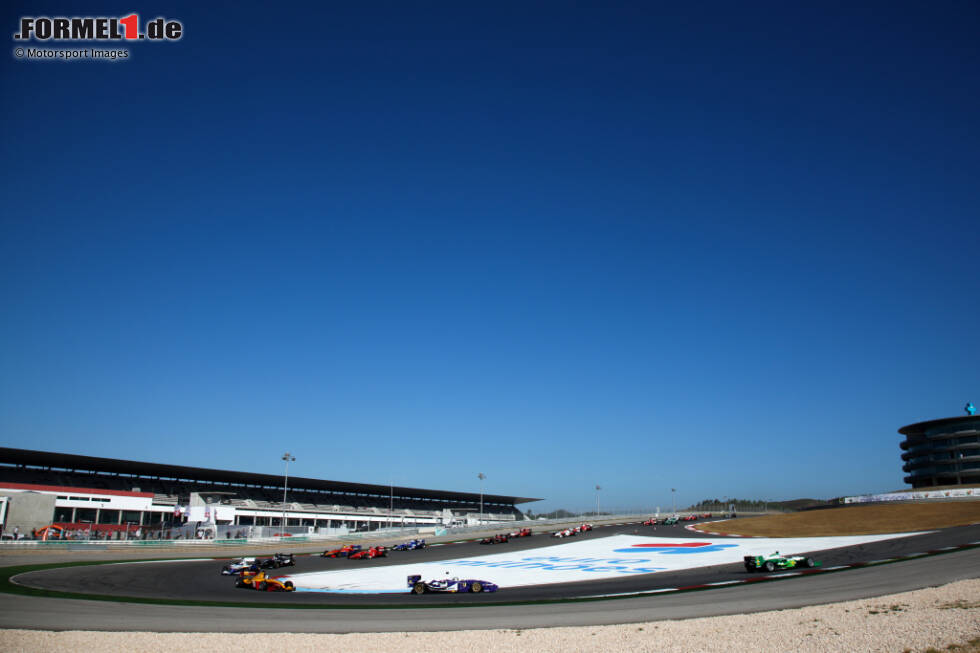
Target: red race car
(496,539)
(367,554)
(524,532)
(343,552)
(650,522)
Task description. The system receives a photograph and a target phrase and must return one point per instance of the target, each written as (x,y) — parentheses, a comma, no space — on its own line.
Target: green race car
(776,561)
(669,521)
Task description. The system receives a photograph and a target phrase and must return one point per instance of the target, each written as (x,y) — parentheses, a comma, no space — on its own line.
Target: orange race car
(263,582)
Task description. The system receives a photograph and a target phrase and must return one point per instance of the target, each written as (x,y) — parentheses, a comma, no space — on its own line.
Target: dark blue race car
(411,545)
(420,586)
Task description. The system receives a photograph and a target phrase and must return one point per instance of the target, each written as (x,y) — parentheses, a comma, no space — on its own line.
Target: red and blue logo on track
(675,548)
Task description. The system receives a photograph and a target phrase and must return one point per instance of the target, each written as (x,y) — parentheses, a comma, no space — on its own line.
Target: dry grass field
(855,520)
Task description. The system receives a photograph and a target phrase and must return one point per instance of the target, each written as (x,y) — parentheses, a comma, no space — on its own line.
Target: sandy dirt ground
(854,520)
(911,621)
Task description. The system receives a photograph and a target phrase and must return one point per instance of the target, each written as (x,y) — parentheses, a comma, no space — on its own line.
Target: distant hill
(756,505)
(801,504)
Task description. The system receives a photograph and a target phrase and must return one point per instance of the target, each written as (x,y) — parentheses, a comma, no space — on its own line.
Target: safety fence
(239,536)
(917,495)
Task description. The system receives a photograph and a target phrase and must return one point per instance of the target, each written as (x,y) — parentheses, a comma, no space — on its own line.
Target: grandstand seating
(332,505)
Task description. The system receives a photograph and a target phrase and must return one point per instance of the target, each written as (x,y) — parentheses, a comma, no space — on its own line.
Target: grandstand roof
(72,462)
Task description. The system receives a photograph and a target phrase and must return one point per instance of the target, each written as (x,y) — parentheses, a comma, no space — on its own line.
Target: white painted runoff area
(616,556)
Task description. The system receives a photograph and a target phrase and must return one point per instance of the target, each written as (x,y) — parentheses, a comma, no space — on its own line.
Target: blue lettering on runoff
(558,563)
(672,550)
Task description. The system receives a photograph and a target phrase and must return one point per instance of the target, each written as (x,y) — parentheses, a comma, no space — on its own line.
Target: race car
(238,565)
(342,552)
(669,521)
(411,545)
(567,532)
(419,586)
(650,522)
(524,532)
(367,554)
(496,539)
(278,560)
(584,527)
(776,561)
(263,582)
(690,518)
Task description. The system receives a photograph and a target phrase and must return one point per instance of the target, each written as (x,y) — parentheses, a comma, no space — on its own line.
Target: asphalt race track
(559,604)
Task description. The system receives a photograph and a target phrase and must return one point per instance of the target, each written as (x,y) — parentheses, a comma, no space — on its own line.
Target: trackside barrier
(918,495)
(539,526)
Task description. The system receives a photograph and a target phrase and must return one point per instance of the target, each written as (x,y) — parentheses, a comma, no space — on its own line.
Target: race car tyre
(808,562)
(419,588)
(749,568)
(476,587)
(262,586)
(288,584)
(770,566)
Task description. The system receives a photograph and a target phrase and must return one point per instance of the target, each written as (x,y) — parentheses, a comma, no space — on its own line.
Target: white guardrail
(917,495)
(537,525)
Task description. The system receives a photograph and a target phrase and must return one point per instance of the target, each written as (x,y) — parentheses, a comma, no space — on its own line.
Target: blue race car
(419,586)
(238,565)
(411,545)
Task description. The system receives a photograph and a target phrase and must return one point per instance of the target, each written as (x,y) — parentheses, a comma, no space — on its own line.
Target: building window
(85,515)
(108,516)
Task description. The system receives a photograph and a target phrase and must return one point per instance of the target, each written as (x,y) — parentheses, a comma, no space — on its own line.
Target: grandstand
(110,494)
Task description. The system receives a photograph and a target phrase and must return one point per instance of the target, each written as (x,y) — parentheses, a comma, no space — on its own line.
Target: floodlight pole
(481,476)
(673,498)
(391,500)
(597,488)
(288,458)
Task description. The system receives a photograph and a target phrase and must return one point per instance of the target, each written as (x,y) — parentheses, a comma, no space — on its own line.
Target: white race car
(451,585)
(237,565)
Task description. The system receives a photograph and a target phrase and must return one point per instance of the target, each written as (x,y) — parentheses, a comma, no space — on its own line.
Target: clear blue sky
(727,248)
